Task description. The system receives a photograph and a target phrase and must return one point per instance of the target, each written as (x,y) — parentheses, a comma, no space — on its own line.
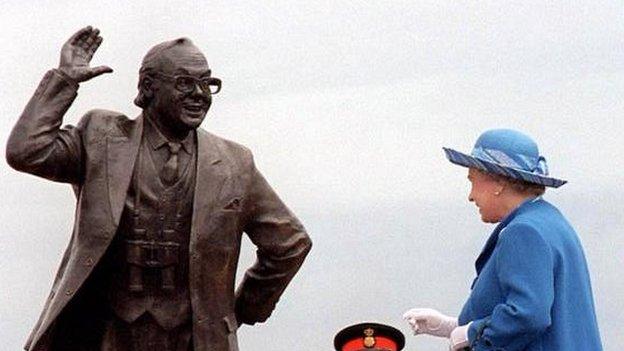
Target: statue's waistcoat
(151,248)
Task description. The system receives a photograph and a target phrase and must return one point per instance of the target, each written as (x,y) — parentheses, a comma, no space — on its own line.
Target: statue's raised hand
(77,53)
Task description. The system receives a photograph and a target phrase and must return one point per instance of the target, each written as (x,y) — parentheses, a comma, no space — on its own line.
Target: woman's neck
(512,200)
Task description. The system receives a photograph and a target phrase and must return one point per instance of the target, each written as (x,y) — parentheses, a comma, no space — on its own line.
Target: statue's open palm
(77,52)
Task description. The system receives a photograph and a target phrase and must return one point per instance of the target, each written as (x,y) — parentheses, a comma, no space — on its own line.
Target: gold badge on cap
(369,339)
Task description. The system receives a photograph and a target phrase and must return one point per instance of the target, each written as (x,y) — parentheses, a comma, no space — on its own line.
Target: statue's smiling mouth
(193,108)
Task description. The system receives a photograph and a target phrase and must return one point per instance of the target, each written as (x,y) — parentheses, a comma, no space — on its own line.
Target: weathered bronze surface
(161,208)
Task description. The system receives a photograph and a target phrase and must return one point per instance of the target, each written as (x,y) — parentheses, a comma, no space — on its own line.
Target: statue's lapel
(209,180)
(122,147)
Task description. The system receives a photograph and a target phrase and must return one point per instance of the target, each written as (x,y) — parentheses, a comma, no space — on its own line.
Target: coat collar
(157,140)
(122,149)
(122,146)
(493,239)
(212,174)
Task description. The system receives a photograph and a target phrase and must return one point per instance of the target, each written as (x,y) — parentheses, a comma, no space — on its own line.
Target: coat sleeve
(282,244)
(37,144)
(524,265)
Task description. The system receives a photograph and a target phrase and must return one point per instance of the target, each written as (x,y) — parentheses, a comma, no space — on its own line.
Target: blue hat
(509,153)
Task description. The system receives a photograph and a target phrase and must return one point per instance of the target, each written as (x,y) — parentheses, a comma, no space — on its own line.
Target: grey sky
(346,105)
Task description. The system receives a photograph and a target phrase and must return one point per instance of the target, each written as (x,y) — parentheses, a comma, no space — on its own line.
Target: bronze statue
(161,208)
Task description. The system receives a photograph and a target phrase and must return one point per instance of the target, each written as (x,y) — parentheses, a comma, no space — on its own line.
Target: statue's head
(175,86)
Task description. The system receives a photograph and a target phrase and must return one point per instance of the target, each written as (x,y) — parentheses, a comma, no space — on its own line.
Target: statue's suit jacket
(231,197)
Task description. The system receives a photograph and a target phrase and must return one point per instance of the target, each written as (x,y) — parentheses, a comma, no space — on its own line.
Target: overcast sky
(346,106)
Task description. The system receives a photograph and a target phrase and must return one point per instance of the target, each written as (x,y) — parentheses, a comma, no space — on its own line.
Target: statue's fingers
(90,39)
(83,41)
(80,40)
(102,69)
(80,33)
(93,48)
(96,71)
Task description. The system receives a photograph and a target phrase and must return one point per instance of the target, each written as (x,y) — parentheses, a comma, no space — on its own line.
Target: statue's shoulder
(227,148)
(100,121)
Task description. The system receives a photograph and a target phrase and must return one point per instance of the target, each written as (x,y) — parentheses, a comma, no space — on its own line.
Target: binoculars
(149,254)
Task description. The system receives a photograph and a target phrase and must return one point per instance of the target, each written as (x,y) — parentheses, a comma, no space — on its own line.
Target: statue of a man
(161,207)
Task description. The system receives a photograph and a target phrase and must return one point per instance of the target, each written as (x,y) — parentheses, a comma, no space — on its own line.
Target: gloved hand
(430,321)
(459,338)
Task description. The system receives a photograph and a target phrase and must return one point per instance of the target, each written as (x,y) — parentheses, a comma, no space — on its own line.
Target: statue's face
(180,103)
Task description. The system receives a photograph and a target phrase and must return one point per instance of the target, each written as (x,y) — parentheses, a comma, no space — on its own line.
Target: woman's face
(485,193)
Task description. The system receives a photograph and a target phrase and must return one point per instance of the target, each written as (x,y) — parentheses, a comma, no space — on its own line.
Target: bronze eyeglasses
(186,84)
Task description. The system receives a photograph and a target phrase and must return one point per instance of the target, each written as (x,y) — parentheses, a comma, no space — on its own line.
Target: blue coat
(532,290)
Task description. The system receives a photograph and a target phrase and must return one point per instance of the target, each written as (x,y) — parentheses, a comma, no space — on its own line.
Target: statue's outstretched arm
(37,144)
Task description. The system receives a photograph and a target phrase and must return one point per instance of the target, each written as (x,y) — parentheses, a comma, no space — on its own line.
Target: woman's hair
(518,185)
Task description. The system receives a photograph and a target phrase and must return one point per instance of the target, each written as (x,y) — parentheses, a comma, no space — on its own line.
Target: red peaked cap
(369,336)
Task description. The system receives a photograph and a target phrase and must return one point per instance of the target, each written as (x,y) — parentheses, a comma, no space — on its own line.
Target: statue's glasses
(186,83)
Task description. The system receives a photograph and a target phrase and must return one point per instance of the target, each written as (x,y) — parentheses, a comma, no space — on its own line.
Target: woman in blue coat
(532,290)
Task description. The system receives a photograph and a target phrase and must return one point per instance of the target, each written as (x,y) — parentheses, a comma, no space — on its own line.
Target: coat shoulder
(543,220)
(542,216)
(231,150)
(103,121)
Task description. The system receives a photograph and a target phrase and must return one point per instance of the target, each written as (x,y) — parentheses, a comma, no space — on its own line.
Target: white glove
(430,321)
(459,338)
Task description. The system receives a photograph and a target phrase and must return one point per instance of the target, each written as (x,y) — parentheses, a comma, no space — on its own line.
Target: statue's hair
(152,61)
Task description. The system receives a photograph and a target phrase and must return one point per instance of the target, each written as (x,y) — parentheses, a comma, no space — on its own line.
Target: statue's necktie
(170,169)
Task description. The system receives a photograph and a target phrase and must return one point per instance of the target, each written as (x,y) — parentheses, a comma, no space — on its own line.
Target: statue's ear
(146,91)
(147,86)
